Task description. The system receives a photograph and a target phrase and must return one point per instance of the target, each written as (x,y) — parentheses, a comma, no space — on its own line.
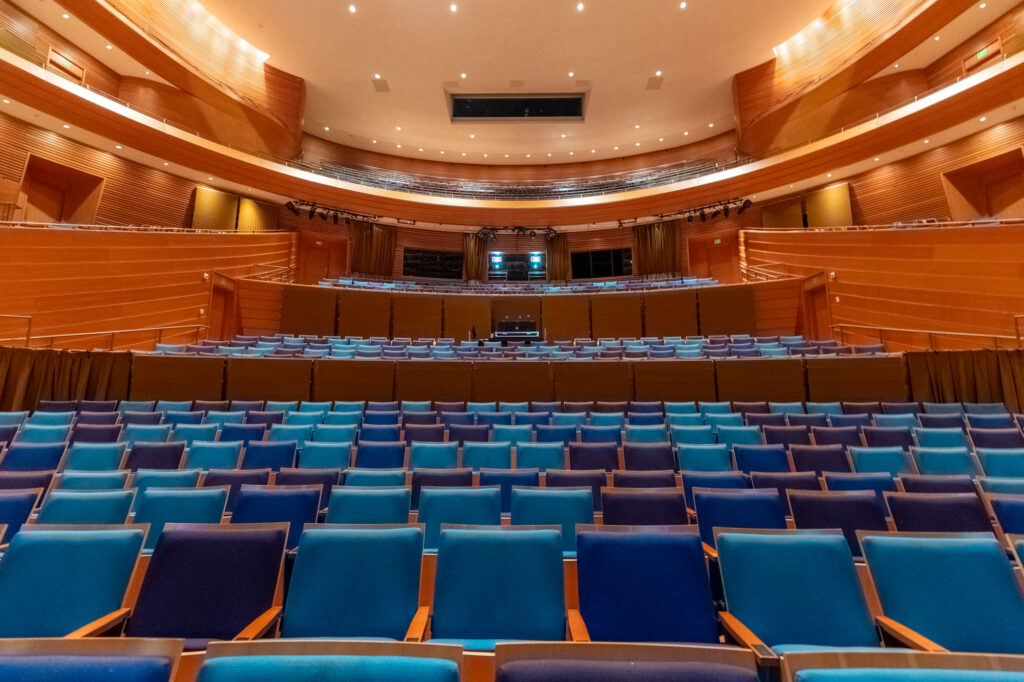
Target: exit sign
(718,241)
(983,53)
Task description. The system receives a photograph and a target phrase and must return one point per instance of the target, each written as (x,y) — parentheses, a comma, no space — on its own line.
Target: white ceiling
(420,48)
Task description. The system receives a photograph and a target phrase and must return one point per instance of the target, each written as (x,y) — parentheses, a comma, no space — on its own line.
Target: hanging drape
(373,249)
(28,375)
(559,263)
(975,376)
(654,249)
(474,257)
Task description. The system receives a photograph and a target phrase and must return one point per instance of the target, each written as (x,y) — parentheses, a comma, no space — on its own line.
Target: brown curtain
(559,263)
(29,375)
(654,249)
(975,376)
(474,257)
(373,249)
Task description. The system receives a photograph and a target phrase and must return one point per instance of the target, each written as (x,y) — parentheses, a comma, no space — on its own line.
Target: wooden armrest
(418,627)
(577,627)
(101,625)
(259,627)
(710,551)
(906,636)
(740,633)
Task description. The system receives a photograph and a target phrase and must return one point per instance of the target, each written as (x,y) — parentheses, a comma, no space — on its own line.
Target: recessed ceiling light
(462,75)
(147,73)
(661,139)
(472,136)
(506,156)
(563,135)
(399,146)
(982,6)
(637,125)
(685,133)
(936,37)
(68,16)
(326,128)
(549,153)
(579,6)
(572,153)
(682,5)
(895,66)
(485,156)
(421,148)
(376,75)
(657,73)
(442,151)
(454,7)
(983,119)
(166,164)
(463,153)
(829,175)
(66,125)
(527,156)
(352,9)
(616,147)
(398,127)
(637,144)
(593,151)
(375,141)
(209,178)
(876,158)
(7,101)
(110,47)
(927,141)
(711,125)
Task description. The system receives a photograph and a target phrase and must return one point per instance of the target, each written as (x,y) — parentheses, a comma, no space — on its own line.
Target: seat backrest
(428,455)
(494,584)
(16,506)
(553,506)
(795,589)
(154,456)
(939,512)
(380,455)
(819,458)
(784,482)
(55,581)
(890,460)
(643,507)
(294,505)
(159,506)
(369,505)
(375,478)
(354,583)
(89,507)
(849,511)
(213,455)
(947,461)
(736,509)
(959,592)
(272,455)
(466,506)
(645,587)
(208,581)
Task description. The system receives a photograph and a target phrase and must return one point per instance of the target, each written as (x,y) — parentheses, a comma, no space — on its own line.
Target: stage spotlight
(335,218)
(291,207)
(689,217)
(323,216)
(717,213)
(703,216)
(533,235)
(312,211)
(747,203)
(726,210)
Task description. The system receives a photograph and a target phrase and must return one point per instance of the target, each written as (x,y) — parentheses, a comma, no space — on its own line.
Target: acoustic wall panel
(727,309)
(214,210)
(260,378)
(364,313)
(565,317)
(309,310)
(593,380)
(515,308)
(158,377)
(513,381)
(617,315)
(674,380)
(671,313)
(438,380)
(874,378)
(467,317)
(778,379)
(416,315)
(353,380)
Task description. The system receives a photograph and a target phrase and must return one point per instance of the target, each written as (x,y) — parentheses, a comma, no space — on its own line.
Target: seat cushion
(328,669)
(620,671)
(905,674)
(783,649)
(476,644)
(85,668)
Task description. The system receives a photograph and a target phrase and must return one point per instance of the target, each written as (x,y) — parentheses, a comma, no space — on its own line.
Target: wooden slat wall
(259,307)
(946,279)
(74,281)
(777,306)
(950,65)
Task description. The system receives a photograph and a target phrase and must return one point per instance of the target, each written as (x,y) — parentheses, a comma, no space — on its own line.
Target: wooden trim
(418,627)
(577,626)
(260,626)
(735,629)
(101,625)
(906,636)
(882,658)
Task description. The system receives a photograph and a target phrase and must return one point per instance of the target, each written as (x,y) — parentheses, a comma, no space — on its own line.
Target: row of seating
(520,288)
(784,592)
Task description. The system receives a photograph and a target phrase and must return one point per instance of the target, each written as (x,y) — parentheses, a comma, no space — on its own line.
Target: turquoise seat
(375,477)
(325,455)
(285,433)
(146,433)
(795,590)
(328,668)
(617,419)
(433,455)
(716,420)
(282,406)
(55,581)
(530,604)
(190,433)
(540,456)
(684,420)
(512,434)
(704,458)
(692,435)
(827,409)
(944,461)
(415,406)
(217,417)
(36,433)
(563,507)
(959,592)
(160,506)
(475,407)
(706,408)
(91,480)
(1004,486)
(369,505)
(313,406)
(94,456)
(941,438)
(646,434)
(786,408)
(343,418)
(213,455)
(303,418)
(51,419)
(875,460)
(333,433)
(1002,462)
(355,583)
(164,478)
(568,418)
(13,418)
(86,507)
(465,506)
(740,435)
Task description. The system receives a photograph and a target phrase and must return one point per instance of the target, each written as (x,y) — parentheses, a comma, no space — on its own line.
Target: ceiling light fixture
(579,6)
(442,151)
(376,76)
(421,148)
(166,164)
(110,47)
(936,37)
(682,5)
(661,139)
(637,125)
(983,119)
(66,126)
(616,148)
(572,153)
(506,156)
(375,141)
(463,153)
(685,133)
(876,158)
(472,136)
(657,73)
(399,146)
(454,7)
(326,128)
(637,144)
(352,9)
(895,66)
(593,151)
(68,16)
(927,141)
(527,156)
(571,74)
(711,125)
(7,101)
(563,136)
(117,146)
(549,153)
(398,127)
(462,75)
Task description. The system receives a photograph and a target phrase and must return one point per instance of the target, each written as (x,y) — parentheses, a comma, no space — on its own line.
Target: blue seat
(784,482)
(142,433)
(143,479)
(795,591)
(680,408)
(826,408)
(176,418)
(94,456)
(434,456)
(939,512)
(716,420)
(692,435)
(706,408)
(786,408)
(475,407)
(728,480)
(1002,486)
(731,436)
(136,406)
(996,438)
(53,582)
(219,417)
(960,593)
(496,455)
(643,507)
(380,434)
(668,597)
(1001,462)
(34,456)
(362,664)
(387,478)
(984,408)
(541,456)
(765,458)
(189,433)
(159,506)
(295,505)
(601,434)
(88,660)
(380,455)
(16,505)
(381,417)
(302,419)
(369,505)
(51,419)
(243,432)
(268,455)
(343,418)
(173,405)
(93,507)
(520,433)
(880,482)
(294,433)
(672,420)
(505,479)
(704,458)
(892,460)
(313,406)
(553,434)
(91,480)
(564,507)
(786,436)
(334,433)
(850,511)
(349,406)
(746,509)
(213,455)
(354,583)
(646,434)
(467,506)
(13,418)
(940,438)
(616,419)
(1008,510)
(281,406)
(908,421)
(530,604)
(944,461)
(34,433)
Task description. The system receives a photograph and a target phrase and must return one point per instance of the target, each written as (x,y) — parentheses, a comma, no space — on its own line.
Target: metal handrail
(198,328)
(761,273)
(274,273)
(924,224)
(25,224)
(28,327)
(931,333)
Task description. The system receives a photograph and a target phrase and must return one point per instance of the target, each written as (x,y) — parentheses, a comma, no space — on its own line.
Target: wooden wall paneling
(309,310)
(260,378)
(777,306)
(417,315)
(353,380)
(778,379)
(259,306)
(565,317)
(364,313)
(438,380)
(942,279)
(467,317)
(727,309)
(876,378)
(671,313)
(830,206)
(988,188)
(257,216)
(512,381)
(785,213)
(157,377)
(675,380)
(715,255)
(617,315)
(594,380)
(515,308)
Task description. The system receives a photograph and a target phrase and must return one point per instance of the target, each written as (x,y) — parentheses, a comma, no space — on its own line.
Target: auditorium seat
(999,462)
(827,408)
(553,434)
(692,435)
(56,406)
(54,582)
(596,455)
(294,505)
(595,479)
(648,456)
(939,512)
(984,408)
(95,433)
(736,509)
(32,433)
(764,458)
(506,479)
(856,420)
(941,421)
(848,510)
(373,478)
(565,507)
(784,482)
(613,419)
(16,506)
(996,438)
(960,593)
(158,507)
(369,505)
(880,483)
(461,505)
(91,480)
(104,418)
(898,665)
(907,420)
(704,458)
(643,507)
(885,436)
(986,421)
(787,435)
(922,483)
(644,479)
(541,456)
(731,436)
(843,436)
(775,419)
(819,458)
(530,605)
(944,461)
(89,507)
(154,456)
(190,433)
